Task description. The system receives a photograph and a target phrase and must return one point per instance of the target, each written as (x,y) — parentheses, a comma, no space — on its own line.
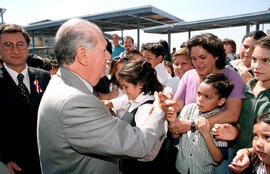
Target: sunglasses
(121,58)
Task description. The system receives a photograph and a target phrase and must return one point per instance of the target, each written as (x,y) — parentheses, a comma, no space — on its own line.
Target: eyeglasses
(121,58)
(9,46)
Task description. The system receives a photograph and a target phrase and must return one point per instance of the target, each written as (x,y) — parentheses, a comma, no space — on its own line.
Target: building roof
(222,22)
(125,19)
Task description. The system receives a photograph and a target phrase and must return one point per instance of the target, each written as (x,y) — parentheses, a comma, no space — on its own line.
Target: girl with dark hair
(242,65)
(260,153)
(139,82)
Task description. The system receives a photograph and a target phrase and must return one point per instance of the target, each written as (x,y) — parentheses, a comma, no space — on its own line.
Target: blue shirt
(118,50)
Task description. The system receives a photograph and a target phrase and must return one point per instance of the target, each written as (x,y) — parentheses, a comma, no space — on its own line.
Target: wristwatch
(192,126)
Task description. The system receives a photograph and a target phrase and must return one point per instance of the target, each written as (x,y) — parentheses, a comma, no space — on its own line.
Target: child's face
(152,58)
(260,64)
(261,141)
(207,98)
(181,65)
(246,50)
(131,90)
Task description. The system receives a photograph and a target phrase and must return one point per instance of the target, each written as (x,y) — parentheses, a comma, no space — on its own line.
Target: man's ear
(221,101)
(81,56)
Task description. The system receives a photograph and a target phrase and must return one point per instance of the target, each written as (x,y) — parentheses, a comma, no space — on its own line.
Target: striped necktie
(23,88)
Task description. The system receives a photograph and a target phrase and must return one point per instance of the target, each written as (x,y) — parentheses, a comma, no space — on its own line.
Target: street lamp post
(2,11)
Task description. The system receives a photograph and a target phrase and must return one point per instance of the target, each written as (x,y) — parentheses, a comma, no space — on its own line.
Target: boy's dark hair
(212,44)
(155,48)
(166,50)
(256,35)
(220,82)
(141,71)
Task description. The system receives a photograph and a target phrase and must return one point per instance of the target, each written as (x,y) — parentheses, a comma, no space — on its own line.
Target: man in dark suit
(21,89)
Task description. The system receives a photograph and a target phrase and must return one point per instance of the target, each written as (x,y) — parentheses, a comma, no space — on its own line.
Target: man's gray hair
(70,36)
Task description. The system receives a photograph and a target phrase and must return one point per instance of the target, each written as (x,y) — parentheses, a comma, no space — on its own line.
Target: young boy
(154,53)
(198,151)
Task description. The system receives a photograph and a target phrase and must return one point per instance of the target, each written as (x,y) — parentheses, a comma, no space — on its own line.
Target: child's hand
(225,132)
(203,125)
(240,162)
(171,114)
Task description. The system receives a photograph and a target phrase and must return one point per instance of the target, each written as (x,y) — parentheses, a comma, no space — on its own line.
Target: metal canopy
(223,22)
(126,19)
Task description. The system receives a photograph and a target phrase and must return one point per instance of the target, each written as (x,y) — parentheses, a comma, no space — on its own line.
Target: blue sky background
(23,12)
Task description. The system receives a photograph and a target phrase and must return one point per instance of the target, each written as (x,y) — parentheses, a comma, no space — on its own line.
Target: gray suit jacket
(77,133)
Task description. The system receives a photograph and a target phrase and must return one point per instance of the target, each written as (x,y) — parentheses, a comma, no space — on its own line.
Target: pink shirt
(188,86)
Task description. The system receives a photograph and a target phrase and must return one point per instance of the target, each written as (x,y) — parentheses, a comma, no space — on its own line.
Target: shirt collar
(14,74)
(85,82)
(208,114)
(139,100)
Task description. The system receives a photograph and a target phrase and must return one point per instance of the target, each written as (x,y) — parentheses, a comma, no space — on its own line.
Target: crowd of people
(106,108)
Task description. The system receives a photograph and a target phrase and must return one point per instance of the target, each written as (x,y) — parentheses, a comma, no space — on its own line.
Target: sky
(23,12)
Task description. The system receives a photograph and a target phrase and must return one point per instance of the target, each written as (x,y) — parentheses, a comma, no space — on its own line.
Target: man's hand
(241,161)
(180,126)
(159,102)
(12,167)
(171,115)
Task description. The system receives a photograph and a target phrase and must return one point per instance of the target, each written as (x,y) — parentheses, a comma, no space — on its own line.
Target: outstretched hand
(240,162)
(225,132)
(160,101)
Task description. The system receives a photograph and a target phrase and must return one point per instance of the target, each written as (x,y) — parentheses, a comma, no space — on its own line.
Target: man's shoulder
(39,72)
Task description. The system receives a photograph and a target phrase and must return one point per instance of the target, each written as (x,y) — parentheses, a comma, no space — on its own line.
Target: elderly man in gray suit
(76,132)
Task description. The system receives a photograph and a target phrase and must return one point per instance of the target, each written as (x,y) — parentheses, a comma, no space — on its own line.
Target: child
(257,93)
(261,143)
(139,82)
(198,151)
(257,99)
(260,157)
(181,64)
(154,54)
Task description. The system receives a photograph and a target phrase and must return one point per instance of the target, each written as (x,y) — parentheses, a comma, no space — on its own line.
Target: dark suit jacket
(18,120)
